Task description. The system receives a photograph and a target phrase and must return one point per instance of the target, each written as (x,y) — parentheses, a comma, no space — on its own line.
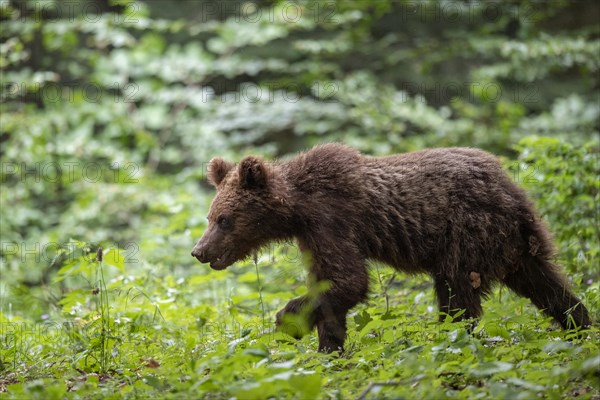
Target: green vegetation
(111,109)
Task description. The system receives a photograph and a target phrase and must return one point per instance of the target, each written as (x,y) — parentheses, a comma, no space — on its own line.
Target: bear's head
(249,210)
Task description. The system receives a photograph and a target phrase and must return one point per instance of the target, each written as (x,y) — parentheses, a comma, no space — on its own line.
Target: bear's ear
(217,169)
(253,173)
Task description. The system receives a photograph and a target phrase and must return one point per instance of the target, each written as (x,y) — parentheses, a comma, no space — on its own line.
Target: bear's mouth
(222,262)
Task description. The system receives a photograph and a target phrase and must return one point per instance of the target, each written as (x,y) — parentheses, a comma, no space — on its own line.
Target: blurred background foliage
(111,109)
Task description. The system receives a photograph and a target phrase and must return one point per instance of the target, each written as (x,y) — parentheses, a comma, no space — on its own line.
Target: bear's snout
(199,251)
(216,263)
(200,254)
(206,254)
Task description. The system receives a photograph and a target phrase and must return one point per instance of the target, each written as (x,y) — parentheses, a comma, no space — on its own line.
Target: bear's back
(332,170)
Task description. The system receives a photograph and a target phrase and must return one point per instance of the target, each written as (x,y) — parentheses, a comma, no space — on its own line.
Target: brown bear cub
(450,212)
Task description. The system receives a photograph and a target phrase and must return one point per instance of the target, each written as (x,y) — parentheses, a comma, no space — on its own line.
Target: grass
(134,331)
(148,320)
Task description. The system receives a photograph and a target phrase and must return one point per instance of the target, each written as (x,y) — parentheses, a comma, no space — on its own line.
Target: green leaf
(524,384)
(153,381)
(591,364)
(308,385)
(362,319)
(114,257)
(491,368)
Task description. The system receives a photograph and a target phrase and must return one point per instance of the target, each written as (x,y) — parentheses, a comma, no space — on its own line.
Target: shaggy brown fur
(452,213)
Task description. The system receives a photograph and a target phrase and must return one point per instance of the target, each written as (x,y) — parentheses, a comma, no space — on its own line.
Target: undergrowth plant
(90,303)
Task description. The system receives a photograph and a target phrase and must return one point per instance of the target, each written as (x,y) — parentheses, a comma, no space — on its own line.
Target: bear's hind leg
(456,294)
(541,281)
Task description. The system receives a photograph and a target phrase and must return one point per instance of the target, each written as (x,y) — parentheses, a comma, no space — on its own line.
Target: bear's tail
(542,282)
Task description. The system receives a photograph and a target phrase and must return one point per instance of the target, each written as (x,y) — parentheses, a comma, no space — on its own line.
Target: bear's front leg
(348,285)
(297,318)
(301,314)
(332,333)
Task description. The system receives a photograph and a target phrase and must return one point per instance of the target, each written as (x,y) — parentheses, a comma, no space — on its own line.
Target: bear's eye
(224,222)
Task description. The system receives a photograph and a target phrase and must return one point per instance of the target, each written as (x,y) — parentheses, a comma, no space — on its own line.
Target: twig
(262,304)
(385,288)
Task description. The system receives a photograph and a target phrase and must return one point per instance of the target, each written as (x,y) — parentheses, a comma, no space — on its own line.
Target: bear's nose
(199,254)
